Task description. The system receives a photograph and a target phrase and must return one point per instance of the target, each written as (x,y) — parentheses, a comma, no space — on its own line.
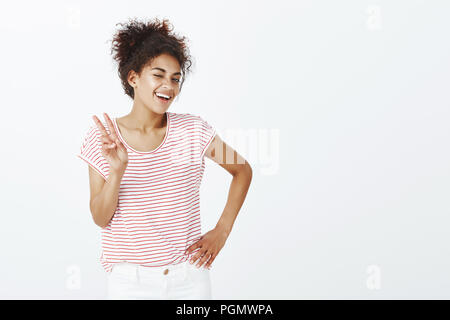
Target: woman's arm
(104,196)
(213,241)
(225,156)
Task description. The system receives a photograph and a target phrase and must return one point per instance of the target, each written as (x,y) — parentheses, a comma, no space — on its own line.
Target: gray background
(341,107)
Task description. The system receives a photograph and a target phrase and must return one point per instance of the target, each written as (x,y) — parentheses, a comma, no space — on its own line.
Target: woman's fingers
(109,143)
(110,125)
(107,140)
(112,132)
(100,126)
(203,259)
(120,144)
(114,143)
(203,255)
(210,261)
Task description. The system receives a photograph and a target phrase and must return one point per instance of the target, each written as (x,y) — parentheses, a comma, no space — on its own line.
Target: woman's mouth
(162,99)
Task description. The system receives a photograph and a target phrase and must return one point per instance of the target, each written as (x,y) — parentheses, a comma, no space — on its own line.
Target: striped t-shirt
(158,211)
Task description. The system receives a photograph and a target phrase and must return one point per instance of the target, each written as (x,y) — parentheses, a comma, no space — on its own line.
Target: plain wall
(341,107)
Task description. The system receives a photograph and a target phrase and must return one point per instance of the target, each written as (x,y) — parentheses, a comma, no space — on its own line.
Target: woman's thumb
(120,145)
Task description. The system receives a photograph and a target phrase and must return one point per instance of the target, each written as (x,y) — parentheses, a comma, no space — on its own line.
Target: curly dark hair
(137,43)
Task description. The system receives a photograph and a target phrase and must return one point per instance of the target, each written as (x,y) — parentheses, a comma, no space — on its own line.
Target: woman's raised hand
(112,148)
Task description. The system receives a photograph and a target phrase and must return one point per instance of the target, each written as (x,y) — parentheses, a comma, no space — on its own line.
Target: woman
(145,170)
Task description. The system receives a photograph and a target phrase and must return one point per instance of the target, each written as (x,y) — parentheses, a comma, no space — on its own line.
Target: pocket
(196,275)
(122,276)
(200,282)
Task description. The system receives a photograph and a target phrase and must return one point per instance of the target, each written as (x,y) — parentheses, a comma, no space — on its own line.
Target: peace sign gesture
(112,148)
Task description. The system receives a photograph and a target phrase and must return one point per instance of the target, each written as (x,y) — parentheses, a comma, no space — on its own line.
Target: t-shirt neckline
(144,152)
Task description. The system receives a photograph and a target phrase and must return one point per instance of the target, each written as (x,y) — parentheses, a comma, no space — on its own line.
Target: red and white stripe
(158,211)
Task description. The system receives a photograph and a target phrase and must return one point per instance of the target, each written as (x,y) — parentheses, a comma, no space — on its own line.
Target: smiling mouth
(163,99)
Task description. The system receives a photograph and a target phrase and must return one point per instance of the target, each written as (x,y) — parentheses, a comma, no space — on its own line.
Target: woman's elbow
(247,170)
(100,222)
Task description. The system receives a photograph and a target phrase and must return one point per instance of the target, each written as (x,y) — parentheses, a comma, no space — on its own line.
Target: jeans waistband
(133,269)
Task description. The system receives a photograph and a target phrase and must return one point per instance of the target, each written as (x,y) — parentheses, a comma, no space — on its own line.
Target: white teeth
(162,95)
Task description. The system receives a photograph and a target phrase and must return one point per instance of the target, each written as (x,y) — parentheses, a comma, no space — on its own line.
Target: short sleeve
(91,152)
(207,134)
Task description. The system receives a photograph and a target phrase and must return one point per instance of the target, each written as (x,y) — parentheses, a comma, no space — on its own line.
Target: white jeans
(173,282)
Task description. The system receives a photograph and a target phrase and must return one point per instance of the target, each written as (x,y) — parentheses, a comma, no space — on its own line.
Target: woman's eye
(160,76)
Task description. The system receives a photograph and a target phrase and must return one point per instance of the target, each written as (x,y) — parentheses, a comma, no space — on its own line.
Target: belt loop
(137,274)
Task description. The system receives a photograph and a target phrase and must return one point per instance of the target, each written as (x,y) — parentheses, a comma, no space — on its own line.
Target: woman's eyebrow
(161,69)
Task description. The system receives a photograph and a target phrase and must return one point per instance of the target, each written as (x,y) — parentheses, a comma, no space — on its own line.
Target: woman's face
(162,76)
